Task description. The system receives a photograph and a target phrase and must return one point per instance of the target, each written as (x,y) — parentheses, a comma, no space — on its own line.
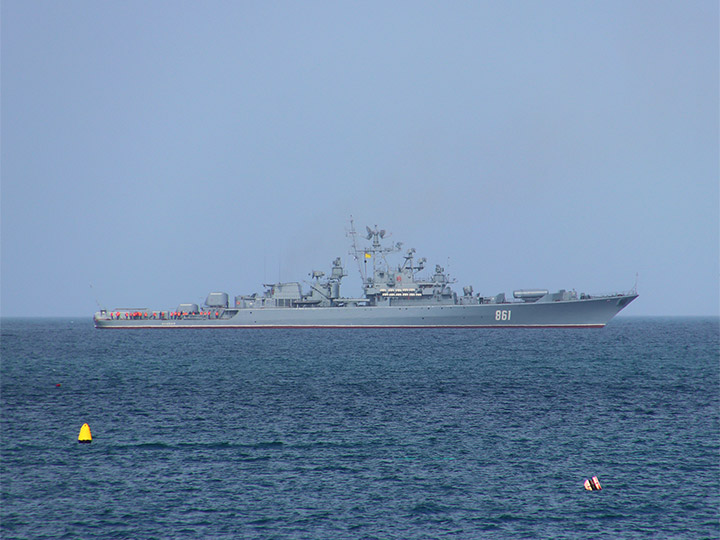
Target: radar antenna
(374,251)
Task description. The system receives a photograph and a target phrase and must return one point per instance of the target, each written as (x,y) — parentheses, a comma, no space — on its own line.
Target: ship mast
(352,233)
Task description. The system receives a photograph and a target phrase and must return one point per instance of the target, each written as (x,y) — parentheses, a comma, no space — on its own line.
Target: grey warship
(394,296)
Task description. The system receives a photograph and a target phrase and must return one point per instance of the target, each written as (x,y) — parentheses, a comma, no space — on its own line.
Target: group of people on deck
(160,314)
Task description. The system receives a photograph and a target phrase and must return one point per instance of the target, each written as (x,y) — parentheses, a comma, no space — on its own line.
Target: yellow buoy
(85,436)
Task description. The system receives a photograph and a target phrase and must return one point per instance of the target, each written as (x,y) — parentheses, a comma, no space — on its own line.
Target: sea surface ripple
(367,434)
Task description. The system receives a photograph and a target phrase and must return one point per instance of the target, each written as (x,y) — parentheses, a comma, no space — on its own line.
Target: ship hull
(584,313)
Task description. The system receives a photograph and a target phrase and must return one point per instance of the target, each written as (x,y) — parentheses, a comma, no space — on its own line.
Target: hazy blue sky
(160,150)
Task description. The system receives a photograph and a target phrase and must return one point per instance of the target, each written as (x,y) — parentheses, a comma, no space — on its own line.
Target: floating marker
(57,385)
(85,436)
(593,484)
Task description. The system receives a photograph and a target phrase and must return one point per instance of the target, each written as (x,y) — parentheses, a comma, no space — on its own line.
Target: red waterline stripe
(296,327)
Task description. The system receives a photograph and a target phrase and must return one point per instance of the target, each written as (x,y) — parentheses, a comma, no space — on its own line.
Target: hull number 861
(503,315)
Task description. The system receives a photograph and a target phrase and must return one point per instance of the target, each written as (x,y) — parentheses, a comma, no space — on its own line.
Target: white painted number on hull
(503,315)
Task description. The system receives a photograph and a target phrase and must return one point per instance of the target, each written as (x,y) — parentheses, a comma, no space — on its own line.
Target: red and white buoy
(593,484)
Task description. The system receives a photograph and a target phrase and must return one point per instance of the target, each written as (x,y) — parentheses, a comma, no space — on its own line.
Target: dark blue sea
(361,434)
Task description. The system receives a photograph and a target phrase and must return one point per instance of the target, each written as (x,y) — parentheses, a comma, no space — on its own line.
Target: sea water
(374,434)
